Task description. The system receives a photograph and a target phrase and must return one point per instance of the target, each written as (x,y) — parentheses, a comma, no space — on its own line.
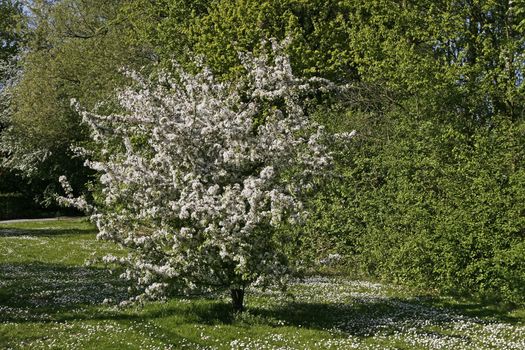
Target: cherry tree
(197,174)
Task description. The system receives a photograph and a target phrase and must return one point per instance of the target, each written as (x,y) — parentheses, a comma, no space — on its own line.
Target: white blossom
(205,172)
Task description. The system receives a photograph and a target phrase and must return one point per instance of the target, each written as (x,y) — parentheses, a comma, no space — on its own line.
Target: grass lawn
(50,300)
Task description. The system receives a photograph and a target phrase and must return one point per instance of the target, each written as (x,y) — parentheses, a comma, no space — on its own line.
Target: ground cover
(50,300)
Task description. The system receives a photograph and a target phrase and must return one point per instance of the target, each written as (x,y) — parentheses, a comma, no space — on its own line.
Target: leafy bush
(437,208)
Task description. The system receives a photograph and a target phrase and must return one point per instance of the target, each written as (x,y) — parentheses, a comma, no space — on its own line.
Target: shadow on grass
(493,310)
(6,231)
(200,311)
(39,291)
(49,292)
(363,319)
(370,316)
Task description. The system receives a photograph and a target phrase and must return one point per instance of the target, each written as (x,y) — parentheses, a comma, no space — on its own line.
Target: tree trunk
(237,299)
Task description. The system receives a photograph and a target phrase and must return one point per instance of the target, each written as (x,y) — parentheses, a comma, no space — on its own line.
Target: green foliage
(219,30)
(451,220)
(10,11)
(75,49)
(432,187)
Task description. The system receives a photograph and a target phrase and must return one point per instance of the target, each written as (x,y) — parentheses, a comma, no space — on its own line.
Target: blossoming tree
(196,174)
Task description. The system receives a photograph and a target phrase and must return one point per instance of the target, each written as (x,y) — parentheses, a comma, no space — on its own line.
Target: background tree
(9,11)
(10,43)
(219,30)
(74,49)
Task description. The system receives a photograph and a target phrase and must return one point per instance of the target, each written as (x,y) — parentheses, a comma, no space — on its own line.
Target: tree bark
(237,299)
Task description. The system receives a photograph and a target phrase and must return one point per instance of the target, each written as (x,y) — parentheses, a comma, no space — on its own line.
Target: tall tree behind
(10,43)
(9,40)
(74,49)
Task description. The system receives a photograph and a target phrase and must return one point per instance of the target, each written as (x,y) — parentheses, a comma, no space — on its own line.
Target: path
(43,219)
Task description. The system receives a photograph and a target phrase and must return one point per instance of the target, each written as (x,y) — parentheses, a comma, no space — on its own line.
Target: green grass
(50,300)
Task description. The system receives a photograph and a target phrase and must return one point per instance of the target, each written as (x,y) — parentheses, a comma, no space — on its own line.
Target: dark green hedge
(431,207)
(18,206)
